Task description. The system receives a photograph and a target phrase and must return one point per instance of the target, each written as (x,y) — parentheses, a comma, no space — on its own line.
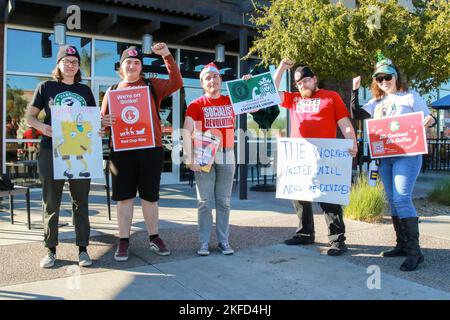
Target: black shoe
(84,174)
(296,240)
(400,248)
(68,174)
(414,254)
(337,248)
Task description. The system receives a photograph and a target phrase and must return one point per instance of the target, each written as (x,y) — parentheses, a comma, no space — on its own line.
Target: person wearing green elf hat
(391,97)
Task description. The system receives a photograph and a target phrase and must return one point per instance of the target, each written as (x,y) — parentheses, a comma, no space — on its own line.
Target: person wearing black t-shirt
(64,90)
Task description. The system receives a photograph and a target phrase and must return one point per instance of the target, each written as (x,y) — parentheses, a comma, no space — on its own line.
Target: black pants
(333,218)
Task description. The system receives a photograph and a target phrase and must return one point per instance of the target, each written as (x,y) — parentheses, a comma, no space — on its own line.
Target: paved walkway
(262,267)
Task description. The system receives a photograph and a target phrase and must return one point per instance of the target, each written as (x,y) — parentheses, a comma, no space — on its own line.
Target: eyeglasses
(387,77)
(74,63)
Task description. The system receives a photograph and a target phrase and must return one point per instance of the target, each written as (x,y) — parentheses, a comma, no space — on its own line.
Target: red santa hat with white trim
(210,67)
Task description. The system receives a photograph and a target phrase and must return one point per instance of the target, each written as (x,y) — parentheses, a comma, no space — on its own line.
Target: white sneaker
(48,261)
(84,260)
(204,250)
(226,248)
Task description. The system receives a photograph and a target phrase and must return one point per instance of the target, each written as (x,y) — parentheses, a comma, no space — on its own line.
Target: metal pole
(243,49)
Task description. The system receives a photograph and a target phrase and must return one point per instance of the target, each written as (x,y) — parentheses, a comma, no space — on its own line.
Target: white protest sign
(77,147)
(317,170)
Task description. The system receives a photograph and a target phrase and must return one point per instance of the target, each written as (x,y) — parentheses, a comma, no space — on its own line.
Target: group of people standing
(140,170)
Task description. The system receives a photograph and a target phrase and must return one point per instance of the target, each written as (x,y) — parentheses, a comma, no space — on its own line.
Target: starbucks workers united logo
(69,99)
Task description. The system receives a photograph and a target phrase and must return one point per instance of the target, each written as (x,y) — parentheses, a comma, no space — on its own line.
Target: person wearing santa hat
(212,114)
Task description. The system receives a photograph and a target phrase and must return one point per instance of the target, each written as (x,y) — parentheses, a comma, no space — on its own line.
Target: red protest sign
(134,123)
(401,135)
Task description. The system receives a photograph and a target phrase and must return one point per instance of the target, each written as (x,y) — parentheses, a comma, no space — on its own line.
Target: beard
(306,93)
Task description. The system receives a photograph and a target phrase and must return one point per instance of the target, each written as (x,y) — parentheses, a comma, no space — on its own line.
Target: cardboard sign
(134,123)
(314,170)
(401,135)
(259,92)
(77,147)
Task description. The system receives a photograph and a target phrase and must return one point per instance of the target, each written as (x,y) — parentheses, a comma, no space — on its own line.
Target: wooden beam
(123,12)
(61,15)
(151,26)
(106,23)
(196,29)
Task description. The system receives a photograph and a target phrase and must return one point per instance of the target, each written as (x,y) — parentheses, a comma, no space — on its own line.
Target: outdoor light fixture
(147,42)
(46,46)
(220,53)
(59,30)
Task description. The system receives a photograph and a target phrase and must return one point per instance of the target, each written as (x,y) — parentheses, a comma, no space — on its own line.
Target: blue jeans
(214,190)
(399,175)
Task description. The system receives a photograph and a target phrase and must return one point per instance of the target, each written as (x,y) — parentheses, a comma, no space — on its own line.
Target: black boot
(414,254)
(400,248)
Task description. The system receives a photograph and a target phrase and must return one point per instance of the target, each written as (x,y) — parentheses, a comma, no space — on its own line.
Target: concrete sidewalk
(262,267)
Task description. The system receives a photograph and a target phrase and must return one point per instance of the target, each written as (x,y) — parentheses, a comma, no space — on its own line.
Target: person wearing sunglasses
(316,113)
(391,97)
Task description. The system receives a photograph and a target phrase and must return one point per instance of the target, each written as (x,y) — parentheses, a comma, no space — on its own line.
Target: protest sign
(77,146)
(258,92)
(134,125)
(401,135)
(314,169)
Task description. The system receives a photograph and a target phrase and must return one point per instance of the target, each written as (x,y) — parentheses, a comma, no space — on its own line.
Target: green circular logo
(394,126)
(240,91)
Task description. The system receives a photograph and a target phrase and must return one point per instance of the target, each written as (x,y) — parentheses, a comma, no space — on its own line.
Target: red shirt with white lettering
(317,116)
(214,115)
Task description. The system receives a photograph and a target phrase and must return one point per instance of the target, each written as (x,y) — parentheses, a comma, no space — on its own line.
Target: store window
(41,51)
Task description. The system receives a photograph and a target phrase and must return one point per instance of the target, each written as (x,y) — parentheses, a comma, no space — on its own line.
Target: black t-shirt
(54,93)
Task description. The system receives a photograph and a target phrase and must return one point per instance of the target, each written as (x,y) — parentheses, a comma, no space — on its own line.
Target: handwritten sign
(401,135)
(77,147)
(134,124)
(259,92)
(314,170)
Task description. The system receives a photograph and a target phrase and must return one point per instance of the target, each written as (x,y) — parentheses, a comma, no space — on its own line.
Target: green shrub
(367,203)
(441,192)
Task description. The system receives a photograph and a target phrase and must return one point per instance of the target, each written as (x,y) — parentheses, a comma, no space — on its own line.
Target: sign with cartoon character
(134,123)
(401,135)
(77,147)
(258,92)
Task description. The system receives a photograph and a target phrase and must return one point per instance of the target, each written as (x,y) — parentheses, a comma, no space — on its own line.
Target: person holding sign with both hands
(140,169)
(390,97)
(316,113)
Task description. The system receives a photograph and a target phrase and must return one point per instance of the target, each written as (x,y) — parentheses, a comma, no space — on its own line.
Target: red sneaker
(158,246)
(122,251)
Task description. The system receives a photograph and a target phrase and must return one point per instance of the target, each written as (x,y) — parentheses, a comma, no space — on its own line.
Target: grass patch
(367,203)
(441,192)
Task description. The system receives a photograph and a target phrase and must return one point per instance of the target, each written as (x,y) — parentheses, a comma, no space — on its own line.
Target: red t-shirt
(317,116)
(214,115)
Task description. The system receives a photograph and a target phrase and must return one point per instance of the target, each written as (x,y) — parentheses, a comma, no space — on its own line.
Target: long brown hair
(58,76)
(379,94)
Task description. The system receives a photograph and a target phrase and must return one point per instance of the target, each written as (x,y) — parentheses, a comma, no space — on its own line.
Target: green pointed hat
(384,65)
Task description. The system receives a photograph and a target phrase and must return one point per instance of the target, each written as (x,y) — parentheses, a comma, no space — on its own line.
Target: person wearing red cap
(212,114)
(316,113)
(64,90)
(140,170)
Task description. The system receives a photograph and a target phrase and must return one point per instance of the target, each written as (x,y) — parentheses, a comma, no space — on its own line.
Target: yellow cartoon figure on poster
(76,141)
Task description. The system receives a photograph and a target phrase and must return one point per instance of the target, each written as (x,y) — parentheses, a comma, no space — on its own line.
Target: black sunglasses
(387,77)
